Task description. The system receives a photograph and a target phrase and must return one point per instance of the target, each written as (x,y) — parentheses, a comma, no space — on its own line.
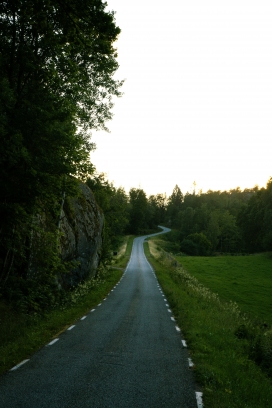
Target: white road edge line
(184,343)
(83,317)
(52,342)
(92,310)
(191,364)
(177,329)
(71,327)
(172,318)
(19,365)
(199,399)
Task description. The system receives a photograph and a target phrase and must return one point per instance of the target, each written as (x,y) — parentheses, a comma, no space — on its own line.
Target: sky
(197,97)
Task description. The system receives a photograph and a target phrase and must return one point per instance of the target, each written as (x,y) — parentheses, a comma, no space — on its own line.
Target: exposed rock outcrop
(82,226)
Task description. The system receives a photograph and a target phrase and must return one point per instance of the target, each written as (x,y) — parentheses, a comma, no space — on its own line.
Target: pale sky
(197,103)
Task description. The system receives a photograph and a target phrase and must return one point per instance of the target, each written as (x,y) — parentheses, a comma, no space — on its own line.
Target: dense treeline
(228,221)
(232,221)
(132,213)
(57,63)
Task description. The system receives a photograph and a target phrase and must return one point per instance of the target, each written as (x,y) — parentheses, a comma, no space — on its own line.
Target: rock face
(82,226)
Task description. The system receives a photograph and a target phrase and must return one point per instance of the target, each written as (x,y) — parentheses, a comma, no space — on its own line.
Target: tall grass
(210,325)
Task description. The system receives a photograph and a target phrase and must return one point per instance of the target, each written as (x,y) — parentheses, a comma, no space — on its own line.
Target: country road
(127,352)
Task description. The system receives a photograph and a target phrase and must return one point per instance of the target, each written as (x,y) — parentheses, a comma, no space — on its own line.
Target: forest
(208,223)
(57,66)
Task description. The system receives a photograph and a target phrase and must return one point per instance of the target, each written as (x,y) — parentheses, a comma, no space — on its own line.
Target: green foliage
(203,244)
(138,211)
(174,204)
(233,221)
(114,204)
(157,205)
(57,63)
(189,247)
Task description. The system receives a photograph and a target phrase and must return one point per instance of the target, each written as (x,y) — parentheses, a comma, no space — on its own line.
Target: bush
(202,242)
(189,247)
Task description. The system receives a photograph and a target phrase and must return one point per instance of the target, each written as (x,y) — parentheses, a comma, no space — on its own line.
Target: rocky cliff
(81,225)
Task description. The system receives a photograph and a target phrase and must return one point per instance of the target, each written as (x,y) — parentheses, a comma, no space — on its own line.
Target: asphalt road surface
(127,352)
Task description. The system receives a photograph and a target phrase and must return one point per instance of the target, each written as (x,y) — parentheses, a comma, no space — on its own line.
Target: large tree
(57,62)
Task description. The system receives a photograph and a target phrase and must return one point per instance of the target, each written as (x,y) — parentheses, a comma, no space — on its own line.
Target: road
(127,352)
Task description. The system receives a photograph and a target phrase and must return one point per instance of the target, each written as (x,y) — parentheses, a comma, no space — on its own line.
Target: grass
(21,335)
(247,280)
(223,368)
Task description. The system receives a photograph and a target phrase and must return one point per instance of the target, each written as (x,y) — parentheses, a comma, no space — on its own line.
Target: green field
(247,280)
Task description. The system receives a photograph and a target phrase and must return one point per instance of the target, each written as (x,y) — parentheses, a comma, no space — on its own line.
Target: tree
(56,83)
(114,204)
(157,208)
(203,244)
(174,204)
(138,210)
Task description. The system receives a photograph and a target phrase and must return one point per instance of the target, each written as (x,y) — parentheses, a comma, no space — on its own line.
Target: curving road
(127,352)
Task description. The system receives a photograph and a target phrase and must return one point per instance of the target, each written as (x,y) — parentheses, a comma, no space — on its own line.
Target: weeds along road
(125,353)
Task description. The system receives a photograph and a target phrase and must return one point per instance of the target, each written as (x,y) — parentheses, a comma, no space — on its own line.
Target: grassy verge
(21,335)
(230,379)
(123,255)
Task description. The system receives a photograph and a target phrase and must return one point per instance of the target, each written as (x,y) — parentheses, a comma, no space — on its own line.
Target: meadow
(246,280)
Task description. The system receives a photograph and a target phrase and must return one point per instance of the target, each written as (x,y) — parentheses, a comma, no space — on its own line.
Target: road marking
(172,318)
(19,365)
(177,329)
(191,364)
(169,310)
(199,399)
(166,304)
(83,317)
(165,300)
(52,342)
(71,327)
(99,304)
(184,343)
(92,310)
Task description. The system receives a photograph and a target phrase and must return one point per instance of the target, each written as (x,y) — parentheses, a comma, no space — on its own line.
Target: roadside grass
(21,335)
(228,376)
(123,255)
